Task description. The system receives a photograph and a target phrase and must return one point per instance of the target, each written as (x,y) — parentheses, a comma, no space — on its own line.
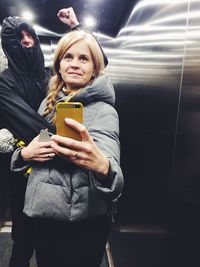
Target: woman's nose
(75,63)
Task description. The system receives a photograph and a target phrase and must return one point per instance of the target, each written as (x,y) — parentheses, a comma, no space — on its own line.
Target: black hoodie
(23,84)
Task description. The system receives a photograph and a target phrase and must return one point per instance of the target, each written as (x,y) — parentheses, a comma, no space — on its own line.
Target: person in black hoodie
(23,83)
(22,88)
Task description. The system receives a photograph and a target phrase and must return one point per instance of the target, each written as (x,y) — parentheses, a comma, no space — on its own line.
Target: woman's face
(77,67)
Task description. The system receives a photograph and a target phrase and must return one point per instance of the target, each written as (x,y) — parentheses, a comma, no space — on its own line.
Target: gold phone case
(72,110)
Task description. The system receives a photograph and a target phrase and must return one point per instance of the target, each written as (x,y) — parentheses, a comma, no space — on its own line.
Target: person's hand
(68,16)
(85,153)
(38,151)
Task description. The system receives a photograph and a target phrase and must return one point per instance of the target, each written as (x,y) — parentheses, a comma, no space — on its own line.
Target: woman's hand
(85,153)
(68,16)
(38,151)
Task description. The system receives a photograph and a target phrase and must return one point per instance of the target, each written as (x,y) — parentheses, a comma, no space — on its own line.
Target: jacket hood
(100,90)
(21,60)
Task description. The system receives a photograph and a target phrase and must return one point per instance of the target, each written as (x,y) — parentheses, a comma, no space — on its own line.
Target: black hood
(21,60)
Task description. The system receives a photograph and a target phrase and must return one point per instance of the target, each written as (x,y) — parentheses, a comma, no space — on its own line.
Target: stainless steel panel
(184,208)
(146,68)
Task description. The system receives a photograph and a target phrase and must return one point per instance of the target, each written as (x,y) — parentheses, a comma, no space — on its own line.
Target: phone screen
(72,110)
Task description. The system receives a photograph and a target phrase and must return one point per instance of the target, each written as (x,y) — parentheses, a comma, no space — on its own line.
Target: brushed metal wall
(147,70)
(155,68)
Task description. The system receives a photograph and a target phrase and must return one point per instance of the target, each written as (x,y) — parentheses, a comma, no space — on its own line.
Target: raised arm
(68,17)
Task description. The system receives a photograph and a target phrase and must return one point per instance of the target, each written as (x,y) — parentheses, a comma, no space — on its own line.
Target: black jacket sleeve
(19,118)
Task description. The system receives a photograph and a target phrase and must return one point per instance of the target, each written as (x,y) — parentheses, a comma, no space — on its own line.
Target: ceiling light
(90,22)
(27,15)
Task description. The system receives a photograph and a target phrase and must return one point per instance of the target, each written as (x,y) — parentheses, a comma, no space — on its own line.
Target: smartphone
(44,136)
(72,110)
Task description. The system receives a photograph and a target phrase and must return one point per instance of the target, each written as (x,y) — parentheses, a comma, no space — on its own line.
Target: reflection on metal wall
(155,66)
(146,68)
(184,219)
(149,49)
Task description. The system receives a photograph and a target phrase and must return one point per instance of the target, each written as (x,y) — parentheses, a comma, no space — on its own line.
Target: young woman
(73,184)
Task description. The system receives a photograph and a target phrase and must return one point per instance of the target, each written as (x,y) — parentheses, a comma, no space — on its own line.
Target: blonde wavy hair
(56,83)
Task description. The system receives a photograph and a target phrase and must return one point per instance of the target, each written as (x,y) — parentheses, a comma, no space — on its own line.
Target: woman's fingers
(64,151)
(83,153)
(41,150)
(83,145)
(46,151)
(79,128)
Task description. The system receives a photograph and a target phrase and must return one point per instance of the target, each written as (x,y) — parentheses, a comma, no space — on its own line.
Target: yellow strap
(20,143)
(28,172)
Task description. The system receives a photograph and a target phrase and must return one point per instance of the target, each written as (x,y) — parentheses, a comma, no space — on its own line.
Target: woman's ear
(94,74)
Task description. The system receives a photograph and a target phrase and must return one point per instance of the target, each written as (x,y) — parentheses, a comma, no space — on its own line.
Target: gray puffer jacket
(61,190)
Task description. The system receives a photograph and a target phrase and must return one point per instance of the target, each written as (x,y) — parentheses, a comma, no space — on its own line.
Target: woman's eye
(68,57)
(83,58)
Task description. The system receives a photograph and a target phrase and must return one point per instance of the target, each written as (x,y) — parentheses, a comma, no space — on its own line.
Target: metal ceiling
(110,15)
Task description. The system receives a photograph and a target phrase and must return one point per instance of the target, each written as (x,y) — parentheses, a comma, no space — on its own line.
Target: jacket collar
(100,90)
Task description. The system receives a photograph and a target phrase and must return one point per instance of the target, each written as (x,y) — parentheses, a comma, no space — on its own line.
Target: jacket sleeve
(105,133)
(19,118)
(17,163)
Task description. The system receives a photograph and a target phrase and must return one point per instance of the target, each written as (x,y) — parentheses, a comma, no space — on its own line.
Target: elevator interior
(154,64)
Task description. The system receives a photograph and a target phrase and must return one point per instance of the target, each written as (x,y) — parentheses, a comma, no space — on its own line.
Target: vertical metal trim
(109,255)
(180,89)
